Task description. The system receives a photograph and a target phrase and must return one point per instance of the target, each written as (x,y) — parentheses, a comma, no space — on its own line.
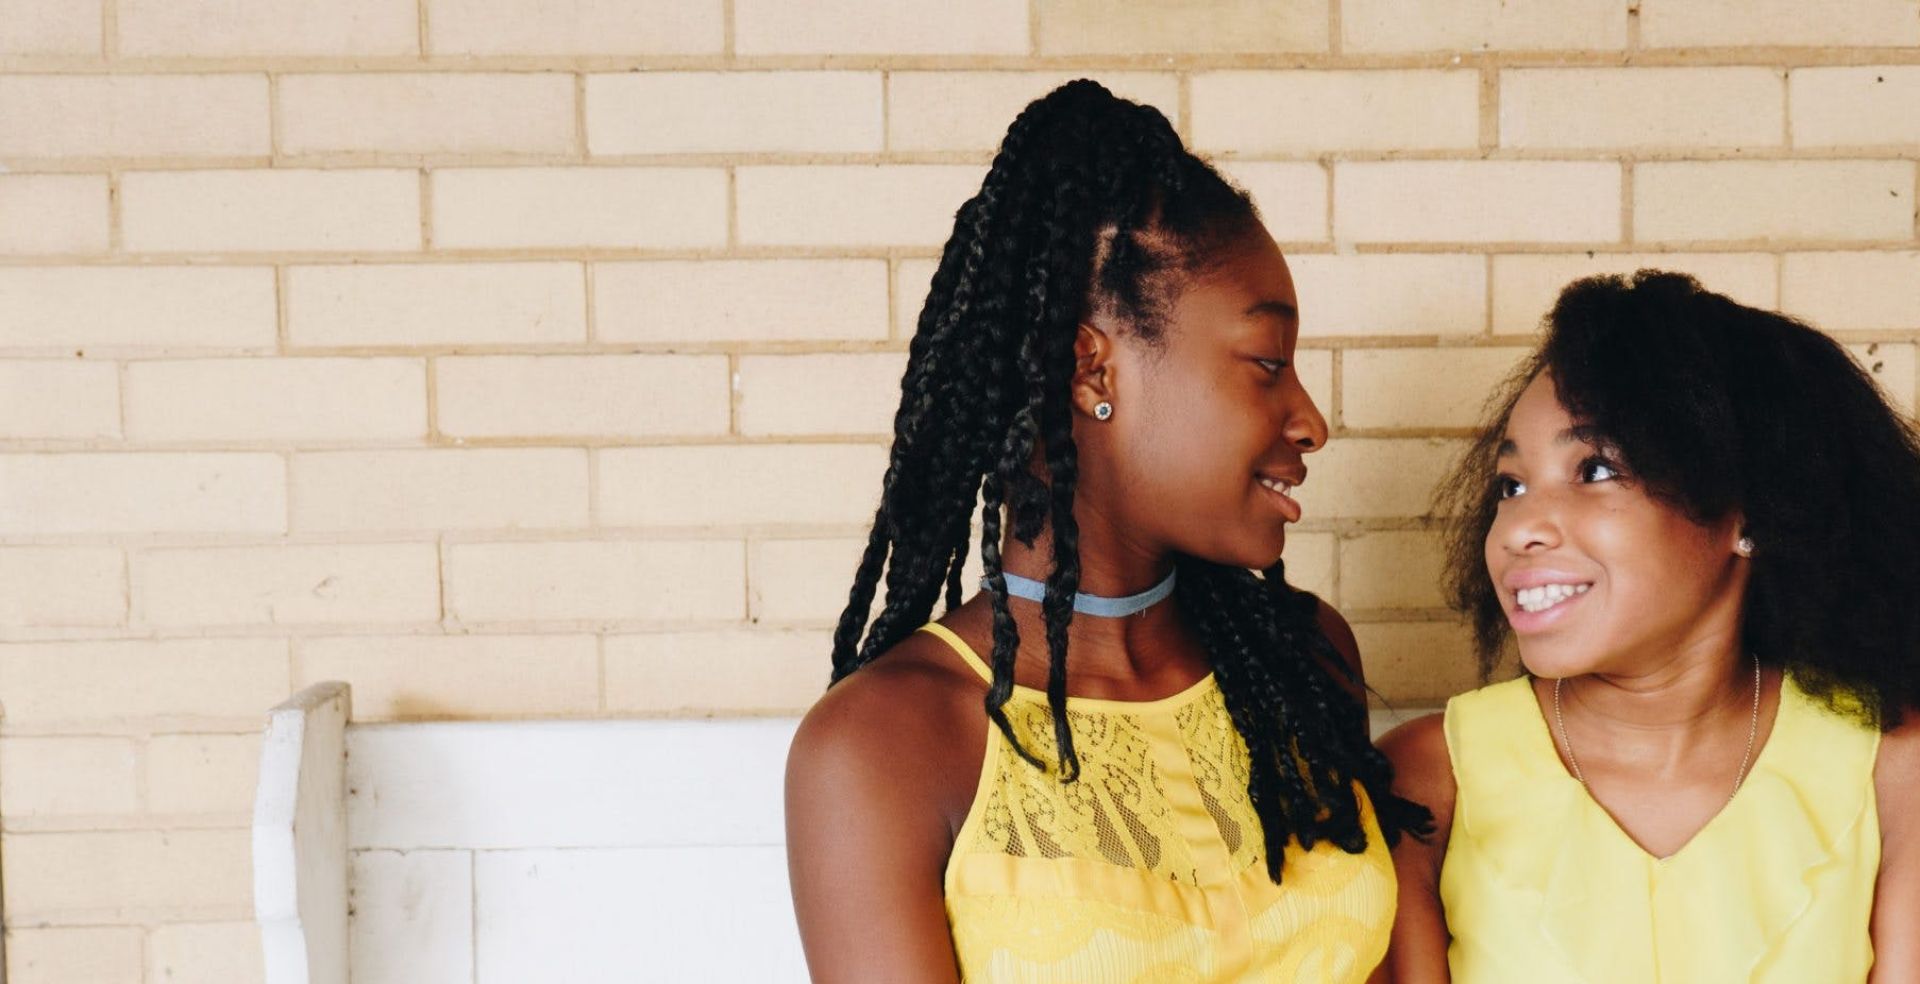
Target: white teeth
(1276,485)
(1539,599)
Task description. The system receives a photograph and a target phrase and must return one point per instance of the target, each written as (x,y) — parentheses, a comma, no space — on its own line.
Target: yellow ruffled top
(1151,867)
(1542,886)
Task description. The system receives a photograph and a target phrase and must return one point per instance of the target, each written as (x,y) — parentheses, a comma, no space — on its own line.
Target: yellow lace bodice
(1151,868)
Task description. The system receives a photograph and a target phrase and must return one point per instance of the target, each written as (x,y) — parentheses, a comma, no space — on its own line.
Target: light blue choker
(1095,605)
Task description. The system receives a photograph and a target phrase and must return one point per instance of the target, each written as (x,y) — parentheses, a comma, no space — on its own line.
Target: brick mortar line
(978,158)
(382,63)
(243,260)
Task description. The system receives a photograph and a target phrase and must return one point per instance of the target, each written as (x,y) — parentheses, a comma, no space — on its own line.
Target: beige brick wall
(535,357)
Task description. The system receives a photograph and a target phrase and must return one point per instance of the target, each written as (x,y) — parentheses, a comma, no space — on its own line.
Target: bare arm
(866,844)
(1422,773)
(1896,899)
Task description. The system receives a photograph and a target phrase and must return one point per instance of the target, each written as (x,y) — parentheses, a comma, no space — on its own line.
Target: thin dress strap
(966,652)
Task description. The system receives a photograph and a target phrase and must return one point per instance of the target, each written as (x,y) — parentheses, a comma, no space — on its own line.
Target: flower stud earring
(1102,410)
(1744,546)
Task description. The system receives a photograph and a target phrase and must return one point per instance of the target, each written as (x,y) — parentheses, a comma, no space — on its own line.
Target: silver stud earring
(1744,546)
(1102,410)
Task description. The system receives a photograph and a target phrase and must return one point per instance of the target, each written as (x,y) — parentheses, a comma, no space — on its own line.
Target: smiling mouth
(1277,485)
(1543,597)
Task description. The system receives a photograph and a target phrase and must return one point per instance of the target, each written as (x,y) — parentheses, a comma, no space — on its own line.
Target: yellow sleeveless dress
(1542,886)
(1151,868)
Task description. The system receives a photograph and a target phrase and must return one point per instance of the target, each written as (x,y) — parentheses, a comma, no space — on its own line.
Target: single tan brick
(1526,286)
(1315,369)
(118,116)
(740,300)
(42,494)
(53,213)
(852,205)
(59,399)
(1476,201)
(1134,27)
(232,28)
(1390,294)
(462,676)
(1364,478)
(1311,113)
(1391,570)
(1427,388)
(269,210)
(819,394)
(729,671)
(900,27)
(1291,197)
(1852,291)
(1309,558)
(437,304)
(124,683)
(1610,108)
(1678,201)
(203,774)
(1739,23)
(1418,662)
(735,484)
(205,953)
(583,395)
(62,586)
(1855,107)
(1892,367)
(807,580)
(676,580)
(480,488)
(972,110)
(74,954)
(427,113)
(912,282)
(50,27)
(287,585)
(276,399)
(1482,25)
(734,112)
(71,876)
(160,307)
(69,777)
(622,28)
(535,207)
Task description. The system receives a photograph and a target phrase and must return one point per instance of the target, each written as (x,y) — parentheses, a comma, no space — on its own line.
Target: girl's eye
(1272,366)
(1506,487)
(1598,470)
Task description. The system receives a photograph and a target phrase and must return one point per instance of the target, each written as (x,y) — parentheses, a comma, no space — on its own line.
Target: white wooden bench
(522,852)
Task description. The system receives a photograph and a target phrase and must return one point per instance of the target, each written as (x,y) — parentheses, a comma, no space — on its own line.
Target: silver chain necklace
(1753,731)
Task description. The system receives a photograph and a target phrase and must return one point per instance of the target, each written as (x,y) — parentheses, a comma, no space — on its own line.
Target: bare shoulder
(1422,768)
(1896,780)
(884,739)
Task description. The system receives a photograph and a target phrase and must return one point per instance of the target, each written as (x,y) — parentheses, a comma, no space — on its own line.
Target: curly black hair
(1092,203)
(1716,409)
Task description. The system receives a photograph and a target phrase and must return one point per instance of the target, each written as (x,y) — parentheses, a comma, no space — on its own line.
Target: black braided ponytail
(1091,200)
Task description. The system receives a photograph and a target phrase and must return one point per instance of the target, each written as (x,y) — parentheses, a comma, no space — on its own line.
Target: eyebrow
(1583,433)
(1278,309)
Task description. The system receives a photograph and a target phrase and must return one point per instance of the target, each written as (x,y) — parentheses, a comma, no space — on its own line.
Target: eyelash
(1504,485)
(1274,367)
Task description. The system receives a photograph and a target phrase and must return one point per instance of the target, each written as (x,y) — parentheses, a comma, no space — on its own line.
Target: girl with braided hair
(1136,754)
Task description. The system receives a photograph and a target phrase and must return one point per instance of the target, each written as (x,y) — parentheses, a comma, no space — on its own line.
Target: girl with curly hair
(1700,523)
(1136,754)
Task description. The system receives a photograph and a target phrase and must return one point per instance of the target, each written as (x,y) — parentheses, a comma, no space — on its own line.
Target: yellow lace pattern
(1151,868)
